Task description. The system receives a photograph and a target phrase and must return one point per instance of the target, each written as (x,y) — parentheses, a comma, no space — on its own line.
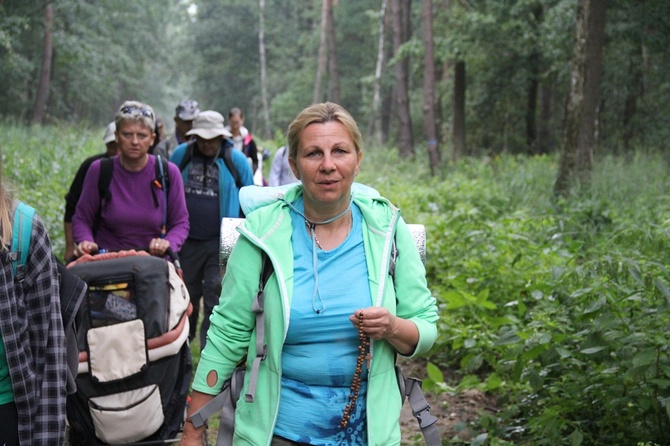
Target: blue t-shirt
(320,352)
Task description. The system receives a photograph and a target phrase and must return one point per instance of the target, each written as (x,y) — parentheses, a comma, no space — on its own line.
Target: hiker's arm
(192,436)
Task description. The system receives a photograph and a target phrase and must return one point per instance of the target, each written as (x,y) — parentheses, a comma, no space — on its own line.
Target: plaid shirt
(32,331)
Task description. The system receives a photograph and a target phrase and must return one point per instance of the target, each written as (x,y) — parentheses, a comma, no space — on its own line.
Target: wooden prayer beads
(363,348)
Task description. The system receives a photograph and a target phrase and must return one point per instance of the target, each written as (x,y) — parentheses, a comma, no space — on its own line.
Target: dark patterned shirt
(32,330)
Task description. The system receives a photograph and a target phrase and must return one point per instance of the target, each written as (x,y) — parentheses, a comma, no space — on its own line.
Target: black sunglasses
(131,109)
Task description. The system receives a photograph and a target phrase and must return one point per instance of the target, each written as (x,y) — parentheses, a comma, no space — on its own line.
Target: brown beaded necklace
(363,349)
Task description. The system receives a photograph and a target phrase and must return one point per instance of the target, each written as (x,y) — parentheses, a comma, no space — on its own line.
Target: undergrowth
(560,309)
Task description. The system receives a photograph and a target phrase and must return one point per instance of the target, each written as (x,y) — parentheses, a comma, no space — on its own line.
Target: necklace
(313,231)
(363,349)
(311,226)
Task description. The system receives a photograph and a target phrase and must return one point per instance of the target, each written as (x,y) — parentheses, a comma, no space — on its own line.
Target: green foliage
(39,163)
(560,310)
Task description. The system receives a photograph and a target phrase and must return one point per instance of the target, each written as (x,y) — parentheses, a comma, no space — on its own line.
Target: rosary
(363,353)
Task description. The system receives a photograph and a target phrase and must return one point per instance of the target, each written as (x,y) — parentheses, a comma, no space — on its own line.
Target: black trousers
(9,425)
(281,441)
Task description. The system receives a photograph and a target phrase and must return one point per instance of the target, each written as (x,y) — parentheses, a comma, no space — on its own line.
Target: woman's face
(326,163)
(235,122)
(134,140)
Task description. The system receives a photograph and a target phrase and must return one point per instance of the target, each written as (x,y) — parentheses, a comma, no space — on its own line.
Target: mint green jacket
(233,331)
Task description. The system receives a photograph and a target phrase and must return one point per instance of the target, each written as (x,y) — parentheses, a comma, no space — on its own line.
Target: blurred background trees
(501,69)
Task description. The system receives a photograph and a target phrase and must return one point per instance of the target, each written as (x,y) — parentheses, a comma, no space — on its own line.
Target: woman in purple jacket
(134,214)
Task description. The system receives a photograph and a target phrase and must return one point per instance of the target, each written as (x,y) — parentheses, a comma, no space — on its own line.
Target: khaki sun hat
(109,133)
(208,125)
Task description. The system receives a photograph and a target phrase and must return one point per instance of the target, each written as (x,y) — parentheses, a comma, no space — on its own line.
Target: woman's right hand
(85,247)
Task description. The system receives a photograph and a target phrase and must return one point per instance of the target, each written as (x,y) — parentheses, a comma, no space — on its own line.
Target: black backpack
(71,291)
(226,153)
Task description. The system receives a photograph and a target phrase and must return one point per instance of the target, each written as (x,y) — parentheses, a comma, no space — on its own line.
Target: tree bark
(533,85)
(429,124)
(401,33)
(458,130)
(582,104)
(544,142)
(264,82)
(45,77)
(635,91)
(332,49)
(375,126)
(322,63)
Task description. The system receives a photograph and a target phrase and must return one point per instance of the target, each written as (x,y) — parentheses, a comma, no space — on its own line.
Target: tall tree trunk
(594,72)
(533,85)
(264,82)
(543,133)
(45,77)
(582,104)
(635,91)
(458,130)
(323,53)
(429,124)
(401,29)
(332,49)
(375,125)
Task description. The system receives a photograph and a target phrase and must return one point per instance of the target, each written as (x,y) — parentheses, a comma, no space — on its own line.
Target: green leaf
(593,350)
(645,357)
(434,373)
(576,438)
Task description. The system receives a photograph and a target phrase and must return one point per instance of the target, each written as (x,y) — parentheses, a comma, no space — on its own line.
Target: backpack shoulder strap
(22,229)
(188,155)
(105,178)
(162,181)
(228,159)
(258,307)
(410,388)
(226,400)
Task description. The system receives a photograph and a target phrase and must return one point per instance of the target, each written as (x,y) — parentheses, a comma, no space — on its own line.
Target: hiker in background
(335,315)
(158,131)
(280,170)
(137,209)
(243,141)
(184,114)
(33,367)
(72,197)
(213,173)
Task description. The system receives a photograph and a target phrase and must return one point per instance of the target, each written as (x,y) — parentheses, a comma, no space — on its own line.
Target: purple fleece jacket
(131,219)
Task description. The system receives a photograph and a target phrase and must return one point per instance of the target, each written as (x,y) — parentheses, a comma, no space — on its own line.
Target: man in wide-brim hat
(213,173)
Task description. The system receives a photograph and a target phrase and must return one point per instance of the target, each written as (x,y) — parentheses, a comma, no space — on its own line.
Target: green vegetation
(559,309)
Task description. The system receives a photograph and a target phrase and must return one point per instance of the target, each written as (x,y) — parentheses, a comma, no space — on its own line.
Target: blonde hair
(134,111)
(321,114)
(6,209)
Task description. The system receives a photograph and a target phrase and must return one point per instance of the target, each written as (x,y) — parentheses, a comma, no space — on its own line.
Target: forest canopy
(514,57)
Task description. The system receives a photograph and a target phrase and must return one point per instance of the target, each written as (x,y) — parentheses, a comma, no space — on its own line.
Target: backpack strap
(233,387)
(410,388)
(22,229)
(227,155)
(104,180)
(162,181)
(258,307)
